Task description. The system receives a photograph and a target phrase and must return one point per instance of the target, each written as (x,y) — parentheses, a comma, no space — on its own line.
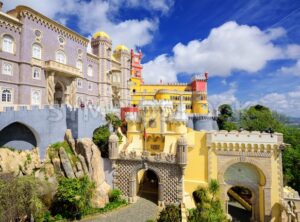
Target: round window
(37,33)
(61,40)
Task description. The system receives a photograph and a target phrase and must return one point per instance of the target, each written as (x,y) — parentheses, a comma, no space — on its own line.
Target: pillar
(50,88)
(161,194)
(132,191)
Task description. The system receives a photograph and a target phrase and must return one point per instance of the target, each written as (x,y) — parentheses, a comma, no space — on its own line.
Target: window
(35,97)
(36,73)
(61,57)
(79,65)
(7,68)
(6,96)
(36,51)
(79,83)
(8,44)
(90,86)
(90,70)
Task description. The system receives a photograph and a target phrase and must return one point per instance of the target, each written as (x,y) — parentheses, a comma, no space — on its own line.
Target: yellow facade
(170,92)
(157,129)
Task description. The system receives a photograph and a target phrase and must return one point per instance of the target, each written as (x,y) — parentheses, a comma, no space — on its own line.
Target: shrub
(73,197)
(19,198)
(170,214)
(114,195)
(100,138)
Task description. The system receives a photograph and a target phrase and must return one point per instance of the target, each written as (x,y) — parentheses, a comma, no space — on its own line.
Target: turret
(181,152)
(199,97)
(136,66)
(121,54)
(101,46)
(113,147)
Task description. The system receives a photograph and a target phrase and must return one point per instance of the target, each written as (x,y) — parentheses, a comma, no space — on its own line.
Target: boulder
(19,162)
(84,166)
(94,162)
(66,164)
(70,140)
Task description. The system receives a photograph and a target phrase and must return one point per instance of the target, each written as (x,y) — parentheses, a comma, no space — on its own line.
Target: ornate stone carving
(50,88)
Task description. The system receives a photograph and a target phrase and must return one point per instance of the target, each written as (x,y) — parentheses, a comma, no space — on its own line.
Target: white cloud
(294,70)
(292,52)
(285,103)
(97,15)
(161,68)
(227,48)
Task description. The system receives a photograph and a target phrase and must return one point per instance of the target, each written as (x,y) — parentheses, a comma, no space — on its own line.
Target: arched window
(6,96)
(36,97)
(90,70)
(8,44)
(61,57)
(36,51)
(79,65)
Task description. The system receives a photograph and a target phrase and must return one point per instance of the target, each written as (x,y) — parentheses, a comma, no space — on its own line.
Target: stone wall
(48,124)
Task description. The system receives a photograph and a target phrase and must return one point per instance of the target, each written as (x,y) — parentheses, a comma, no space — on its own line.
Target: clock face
(136,59)
(203,106)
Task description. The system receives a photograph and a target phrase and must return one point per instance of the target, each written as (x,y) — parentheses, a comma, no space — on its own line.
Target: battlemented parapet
(25,127)
(202,122)
(252,141)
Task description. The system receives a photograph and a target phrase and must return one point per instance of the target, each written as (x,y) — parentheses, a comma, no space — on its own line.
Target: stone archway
(19,136)
(59,97)
(133,183)
(246,174)
(147,185)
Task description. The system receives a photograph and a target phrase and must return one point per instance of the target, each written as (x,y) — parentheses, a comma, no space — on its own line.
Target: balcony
(62,69)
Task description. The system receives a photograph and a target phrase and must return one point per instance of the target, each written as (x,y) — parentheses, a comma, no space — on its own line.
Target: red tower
(199,83)
(136,66)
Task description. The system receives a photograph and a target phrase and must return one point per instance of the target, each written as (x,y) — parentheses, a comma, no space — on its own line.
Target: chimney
(1,5)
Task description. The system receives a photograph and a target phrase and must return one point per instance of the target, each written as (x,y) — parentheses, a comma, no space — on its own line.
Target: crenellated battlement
(244,141)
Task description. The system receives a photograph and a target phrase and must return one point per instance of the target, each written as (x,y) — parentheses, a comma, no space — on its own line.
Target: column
(161,194)
(50,88)
(132,190)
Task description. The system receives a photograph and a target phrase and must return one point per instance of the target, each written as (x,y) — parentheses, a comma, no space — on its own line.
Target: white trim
(90,70)
(11,93)
(40,72)
(39,54)
(12,68)
(31,98)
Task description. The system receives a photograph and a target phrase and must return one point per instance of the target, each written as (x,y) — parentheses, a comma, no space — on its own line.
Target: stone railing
(145,155)
(62,68)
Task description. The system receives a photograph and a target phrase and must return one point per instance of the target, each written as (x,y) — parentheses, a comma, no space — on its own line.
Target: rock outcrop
(66,163)
(19,162)
(61,161)
(92,156)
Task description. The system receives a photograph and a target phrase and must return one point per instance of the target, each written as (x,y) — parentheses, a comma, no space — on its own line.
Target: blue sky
(251,49)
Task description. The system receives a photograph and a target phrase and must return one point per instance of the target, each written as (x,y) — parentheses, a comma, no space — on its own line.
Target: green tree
(113,120)
(259,118)
(73,197)
(100,138)
(225,115)
(170,213)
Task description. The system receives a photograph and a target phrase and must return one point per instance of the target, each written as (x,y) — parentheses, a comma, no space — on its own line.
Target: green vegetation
(100,138)
(73,197)
(170,213)
(260,118)
(101,134)
(20,198)
(225,115)
(114,195)
(209,207)
(54,149)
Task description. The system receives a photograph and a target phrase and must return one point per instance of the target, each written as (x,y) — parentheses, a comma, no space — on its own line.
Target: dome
(101,34)
(121,48)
